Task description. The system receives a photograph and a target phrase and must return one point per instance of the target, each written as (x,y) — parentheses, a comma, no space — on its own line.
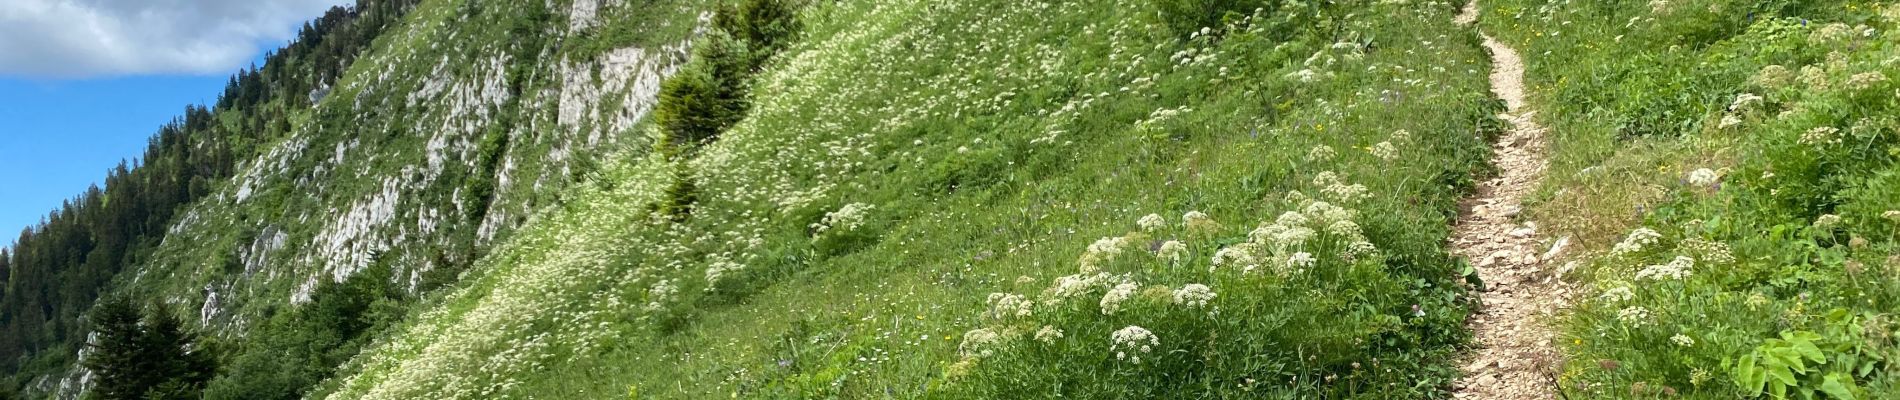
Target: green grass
(986,144)
(1790,242)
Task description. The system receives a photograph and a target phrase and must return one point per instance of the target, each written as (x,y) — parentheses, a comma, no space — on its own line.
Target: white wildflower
(1173,251)
(1703,177)
(1324,213)
(1048,334)
(1384,151)
(1239,255)
(1112,301)
(850,217)
(1320,153)
(1152,222)
(1729,121)
(1682,340)
(1290,219)
(1292,238)
(1617,295)
(1193,295)
(1010,305)
(1772,76)
(1196,220)
(1133,339)
(980,343)
(1827,221)
(1344,228)
(1301,261)
(1676,269)
(1103,250)
(719,269)
(1636,316)
(1745,102)
(1866,80)
(1892,215)
(1073,285)
(661,293)
(1636,240)
(1821,135)
(1304,76)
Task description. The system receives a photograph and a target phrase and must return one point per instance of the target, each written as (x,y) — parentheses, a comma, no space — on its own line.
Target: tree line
(56,270)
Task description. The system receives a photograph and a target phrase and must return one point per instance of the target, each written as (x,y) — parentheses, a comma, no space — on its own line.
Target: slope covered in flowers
(1733,165)
(1008,199)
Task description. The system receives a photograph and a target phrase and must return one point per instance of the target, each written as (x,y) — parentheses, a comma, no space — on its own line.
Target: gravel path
(1514,358)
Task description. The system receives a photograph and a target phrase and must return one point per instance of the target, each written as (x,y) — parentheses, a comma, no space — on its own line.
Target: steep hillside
(450,130)
(1733,169)
(908,205)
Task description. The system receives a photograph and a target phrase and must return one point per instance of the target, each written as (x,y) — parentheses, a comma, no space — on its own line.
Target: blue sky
(61,136)
(85,83)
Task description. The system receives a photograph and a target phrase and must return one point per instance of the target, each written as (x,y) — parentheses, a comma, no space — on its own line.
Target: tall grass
(902,161)
(1748,147)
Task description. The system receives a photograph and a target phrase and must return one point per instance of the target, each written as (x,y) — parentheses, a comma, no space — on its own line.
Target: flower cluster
(1173,251)
(1703,177)
(849,217)
(981,343)
(1133,339)
(1636,241)
(1198,221)
(1004,305)
(719,269)
(1152,222)
(1617,294)
(660,294)
(1112,301)
(1635,316)
(1193,295)
(1048,334)
(1100,252)
(1677,269)
(1682,340)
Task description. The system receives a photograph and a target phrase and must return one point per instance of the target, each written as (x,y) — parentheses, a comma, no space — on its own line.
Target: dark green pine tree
(149,357)
(181,365)
(121,366)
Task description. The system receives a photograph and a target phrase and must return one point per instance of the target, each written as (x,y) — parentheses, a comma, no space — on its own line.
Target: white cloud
(93,38)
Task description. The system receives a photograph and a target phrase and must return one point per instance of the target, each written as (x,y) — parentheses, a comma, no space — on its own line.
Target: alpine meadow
(999,199)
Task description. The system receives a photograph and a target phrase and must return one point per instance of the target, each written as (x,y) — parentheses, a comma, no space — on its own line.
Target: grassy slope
(1637,94)
(404,132)
(994,139)
(384,170)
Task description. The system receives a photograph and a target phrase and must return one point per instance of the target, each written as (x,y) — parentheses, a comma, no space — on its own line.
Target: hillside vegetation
(365,166)
(954,199)
(1732,164)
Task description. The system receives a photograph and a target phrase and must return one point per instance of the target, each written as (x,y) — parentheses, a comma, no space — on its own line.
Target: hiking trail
(1514,356)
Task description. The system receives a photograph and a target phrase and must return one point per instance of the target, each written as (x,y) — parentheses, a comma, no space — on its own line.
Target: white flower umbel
(849,217)
(1173,250)
(1703,177)
(1152,222)
(1677,269)
(1112,302)
(1004,305)
(1682,340)
(1636,241)
(980,343)
(1193,295)
(1384,151)
(1048,334)
(1301,261)
(1199,221)
(1617,295)
(1635,316)
(1133,339)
